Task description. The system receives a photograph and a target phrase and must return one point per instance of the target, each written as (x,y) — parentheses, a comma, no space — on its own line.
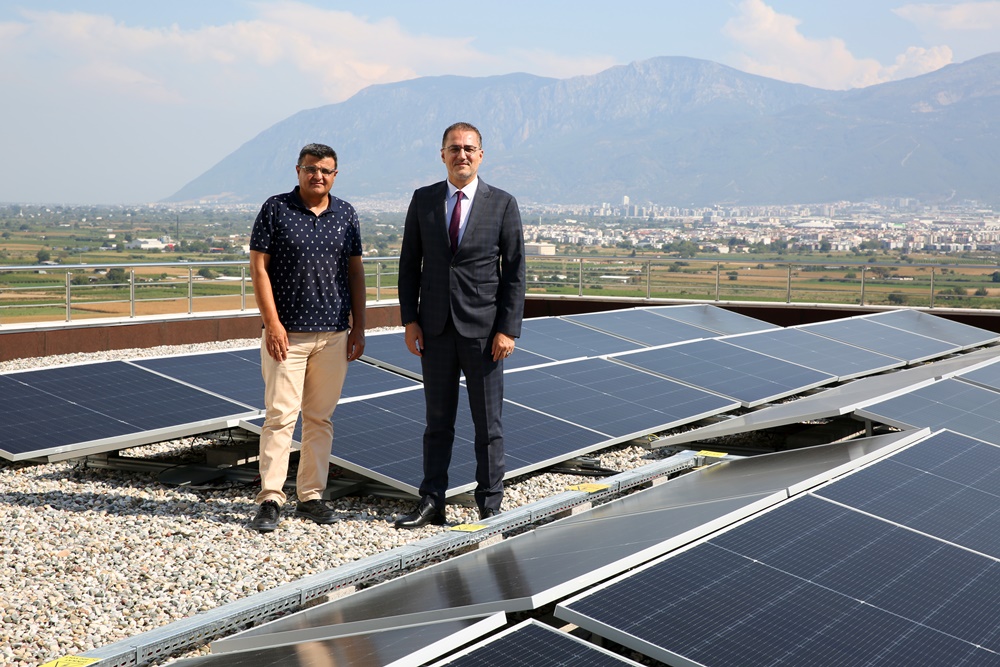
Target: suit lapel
(439,222)
(478,205)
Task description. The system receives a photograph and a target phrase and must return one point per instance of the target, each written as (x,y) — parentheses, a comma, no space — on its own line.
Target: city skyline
(128,102)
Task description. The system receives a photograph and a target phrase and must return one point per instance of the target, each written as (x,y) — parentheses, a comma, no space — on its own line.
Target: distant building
(539,249)
(164,243)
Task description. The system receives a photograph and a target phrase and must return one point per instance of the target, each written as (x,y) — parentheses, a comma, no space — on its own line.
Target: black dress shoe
(267,517)
(426,513)
(487,513)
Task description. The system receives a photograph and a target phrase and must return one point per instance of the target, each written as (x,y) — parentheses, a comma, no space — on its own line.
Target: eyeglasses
(312,170)
(455,150)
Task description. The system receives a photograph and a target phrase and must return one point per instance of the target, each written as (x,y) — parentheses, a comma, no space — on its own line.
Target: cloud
(329,54)
(774,47)
(971,16)
(972,28)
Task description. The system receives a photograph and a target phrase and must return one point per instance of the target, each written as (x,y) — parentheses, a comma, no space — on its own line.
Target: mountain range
(670,130)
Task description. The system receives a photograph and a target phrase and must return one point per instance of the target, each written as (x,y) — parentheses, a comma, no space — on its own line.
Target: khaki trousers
(309,380)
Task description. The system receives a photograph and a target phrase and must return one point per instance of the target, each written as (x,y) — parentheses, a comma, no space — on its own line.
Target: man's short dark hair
(462,127)
(319,151)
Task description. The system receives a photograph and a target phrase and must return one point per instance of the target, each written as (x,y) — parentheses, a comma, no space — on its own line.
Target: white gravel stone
(92,556)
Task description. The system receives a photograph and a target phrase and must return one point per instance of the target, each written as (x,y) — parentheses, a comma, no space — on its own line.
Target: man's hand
(276,341)
(415,339)
(355,344)
(503,346)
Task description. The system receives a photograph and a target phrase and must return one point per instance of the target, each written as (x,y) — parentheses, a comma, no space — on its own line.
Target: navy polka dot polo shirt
(309,256)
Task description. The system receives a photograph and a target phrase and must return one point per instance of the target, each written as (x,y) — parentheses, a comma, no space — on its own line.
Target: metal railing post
(649,274)
(378,281)
(580,285)
(243,288)
(131,292)
(718,271)
(190,290)
(69,296)
(864,270)
(932,288)
(788,293)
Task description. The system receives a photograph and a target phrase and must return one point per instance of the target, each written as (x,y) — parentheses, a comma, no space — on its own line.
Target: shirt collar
(297,200)
(469,189)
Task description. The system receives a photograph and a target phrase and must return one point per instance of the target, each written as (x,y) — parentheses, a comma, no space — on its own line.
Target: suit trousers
(310,381)
(444,358)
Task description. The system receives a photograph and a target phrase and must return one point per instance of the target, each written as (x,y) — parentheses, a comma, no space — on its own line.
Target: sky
(124,102)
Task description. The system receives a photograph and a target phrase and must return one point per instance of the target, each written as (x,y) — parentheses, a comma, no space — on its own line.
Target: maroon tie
(456,217)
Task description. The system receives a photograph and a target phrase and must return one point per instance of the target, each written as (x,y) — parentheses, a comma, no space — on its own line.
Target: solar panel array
(575,384)
(894,564)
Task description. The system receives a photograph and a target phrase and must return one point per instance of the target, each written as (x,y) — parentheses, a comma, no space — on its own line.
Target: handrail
(80,291)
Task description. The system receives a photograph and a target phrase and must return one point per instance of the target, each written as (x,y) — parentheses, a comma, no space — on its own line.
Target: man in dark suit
(461,298)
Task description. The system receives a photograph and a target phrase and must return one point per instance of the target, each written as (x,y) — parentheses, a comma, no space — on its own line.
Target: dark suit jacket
(482,285)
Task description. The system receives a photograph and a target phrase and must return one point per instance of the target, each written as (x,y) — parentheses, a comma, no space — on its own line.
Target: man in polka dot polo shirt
(309,284)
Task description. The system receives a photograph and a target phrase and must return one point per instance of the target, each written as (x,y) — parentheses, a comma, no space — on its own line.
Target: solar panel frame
(642,326)
(713,318)
(397,646)
(728,370)
(890,341)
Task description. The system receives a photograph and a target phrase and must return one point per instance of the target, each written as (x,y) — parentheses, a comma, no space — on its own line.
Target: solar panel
(890,341)
(224,373)
(716,366)
(817,352)
(987,376)
(535,644)
(933,326)
(642,326)
(86,408)
(558,339)
(945,487)
(809,583)
(951,404)
(713,318)
(835,401)
(560,558)
(381,437)
(386,647)
(389,351)
(237,376)
(611,398)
